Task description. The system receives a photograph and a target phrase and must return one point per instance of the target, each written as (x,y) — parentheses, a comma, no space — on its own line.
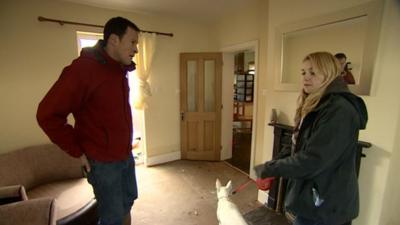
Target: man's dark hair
(117,26)
(340,56)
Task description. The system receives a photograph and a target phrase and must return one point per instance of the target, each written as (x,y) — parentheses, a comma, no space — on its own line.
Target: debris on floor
(194,212)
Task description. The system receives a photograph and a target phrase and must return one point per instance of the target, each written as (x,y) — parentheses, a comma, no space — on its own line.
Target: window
(87,39)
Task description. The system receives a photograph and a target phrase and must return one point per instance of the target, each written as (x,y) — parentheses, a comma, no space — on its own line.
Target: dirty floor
(183,193)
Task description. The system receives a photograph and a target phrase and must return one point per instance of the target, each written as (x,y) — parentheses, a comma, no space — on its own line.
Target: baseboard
(262,196)
(164,158)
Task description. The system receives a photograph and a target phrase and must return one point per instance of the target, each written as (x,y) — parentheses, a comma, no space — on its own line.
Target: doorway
(240,105)
(243,86)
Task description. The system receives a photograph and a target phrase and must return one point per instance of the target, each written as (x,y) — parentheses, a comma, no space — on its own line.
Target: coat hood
(339,87)
(100,55)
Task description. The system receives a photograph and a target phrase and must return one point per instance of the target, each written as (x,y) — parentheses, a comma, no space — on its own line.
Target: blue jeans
(115,189)
(303,221)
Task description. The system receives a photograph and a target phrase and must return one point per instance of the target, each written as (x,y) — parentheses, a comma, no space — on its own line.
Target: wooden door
(200,85)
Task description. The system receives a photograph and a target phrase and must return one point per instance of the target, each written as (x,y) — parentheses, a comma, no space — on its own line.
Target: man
(346,74)
(94,88)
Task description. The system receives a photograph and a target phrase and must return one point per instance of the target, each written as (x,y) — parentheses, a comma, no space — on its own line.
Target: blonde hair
(323,63)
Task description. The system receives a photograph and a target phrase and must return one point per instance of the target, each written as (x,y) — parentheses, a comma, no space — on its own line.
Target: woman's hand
(264,184)
(259,170)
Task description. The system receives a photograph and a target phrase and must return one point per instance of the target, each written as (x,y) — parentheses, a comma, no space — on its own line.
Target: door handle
(182,116)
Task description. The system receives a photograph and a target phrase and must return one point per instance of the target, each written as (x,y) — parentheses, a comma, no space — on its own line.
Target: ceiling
(197,10)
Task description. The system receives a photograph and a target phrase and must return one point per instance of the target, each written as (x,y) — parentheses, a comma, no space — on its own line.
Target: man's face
(342,62)
(126,47)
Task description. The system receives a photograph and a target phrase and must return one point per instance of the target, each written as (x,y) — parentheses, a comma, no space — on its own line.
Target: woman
(322,188)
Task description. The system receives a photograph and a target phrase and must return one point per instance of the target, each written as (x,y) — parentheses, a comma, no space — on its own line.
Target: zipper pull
(317,200)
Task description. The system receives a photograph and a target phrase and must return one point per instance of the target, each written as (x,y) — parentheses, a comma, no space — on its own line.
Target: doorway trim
(250,45)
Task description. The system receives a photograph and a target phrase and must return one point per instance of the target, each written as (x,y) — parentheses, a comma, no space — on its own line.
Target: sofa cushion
(70,195)
(37,165)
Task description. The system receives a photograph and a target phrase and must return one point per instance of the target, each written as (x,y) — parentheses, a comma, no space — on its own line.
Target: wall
(33,55)
(386,114)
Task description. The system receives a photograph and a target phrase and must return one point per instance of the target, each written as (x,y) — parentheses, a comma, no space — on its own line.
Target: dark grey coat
(322,175)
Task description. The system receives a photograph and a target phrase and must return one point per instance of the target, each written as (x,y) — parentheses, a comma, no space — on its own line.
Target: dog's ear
(229,186)
(218,184)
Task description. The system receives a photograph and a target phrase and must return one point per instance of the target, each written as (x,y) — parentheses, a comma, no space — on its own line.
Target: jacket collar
(337,86)
(100,55)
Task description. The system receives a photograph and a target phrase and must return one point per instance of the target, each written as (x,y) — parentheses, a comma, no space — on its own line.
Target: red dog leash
(242,186)
(262,184)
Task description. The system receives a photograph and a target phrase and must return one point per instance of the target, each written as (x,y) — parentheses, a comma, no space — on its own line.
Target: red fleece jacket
(94,88)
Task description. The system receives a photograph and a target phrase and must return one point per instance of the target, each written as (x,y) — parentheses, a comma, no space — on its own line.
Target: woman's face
(312,80)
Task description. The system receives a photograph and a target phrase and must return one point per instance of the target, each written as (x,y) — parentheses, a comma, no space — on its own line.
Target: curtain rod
(62,22)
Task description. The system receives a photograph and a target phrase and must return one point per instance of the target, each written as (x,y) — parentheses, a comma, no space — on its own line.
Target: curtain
(144,59)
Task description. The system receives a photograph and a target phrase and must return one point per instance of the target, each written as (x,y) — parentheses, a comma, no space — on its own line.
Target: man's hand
(85,163)
(135,143)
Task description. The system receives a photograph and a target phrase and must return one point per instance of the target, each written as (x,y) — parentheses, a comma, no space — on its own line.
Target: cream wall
(378,185)
(240,28)
(385,120)
(33,55)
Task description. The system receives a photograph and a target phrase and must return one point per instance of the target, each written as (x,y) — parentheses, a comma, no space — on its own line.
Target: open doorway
(239,101)
(243,95)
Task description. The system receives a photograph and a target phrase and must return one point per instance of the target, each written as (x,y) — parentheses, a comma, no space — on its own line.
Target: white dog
(227,212)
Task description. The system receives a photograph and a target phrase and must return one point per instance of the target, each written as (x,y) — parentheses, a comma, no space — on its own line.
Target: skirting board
(262,196)
(164,158)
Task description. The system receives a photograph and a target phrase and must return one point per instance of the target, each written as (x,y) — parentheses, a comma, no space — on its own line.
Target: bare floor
(183,193)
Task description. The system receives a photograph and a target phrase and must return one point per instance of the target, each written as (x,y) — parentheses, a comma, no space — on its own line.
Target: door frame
(250,45)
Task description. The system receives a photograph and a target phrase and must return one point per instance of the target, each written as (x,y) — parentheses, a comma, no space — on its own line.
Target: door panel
(209,85)
(200,79)
(191,85)
(209,139)
(192,133)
